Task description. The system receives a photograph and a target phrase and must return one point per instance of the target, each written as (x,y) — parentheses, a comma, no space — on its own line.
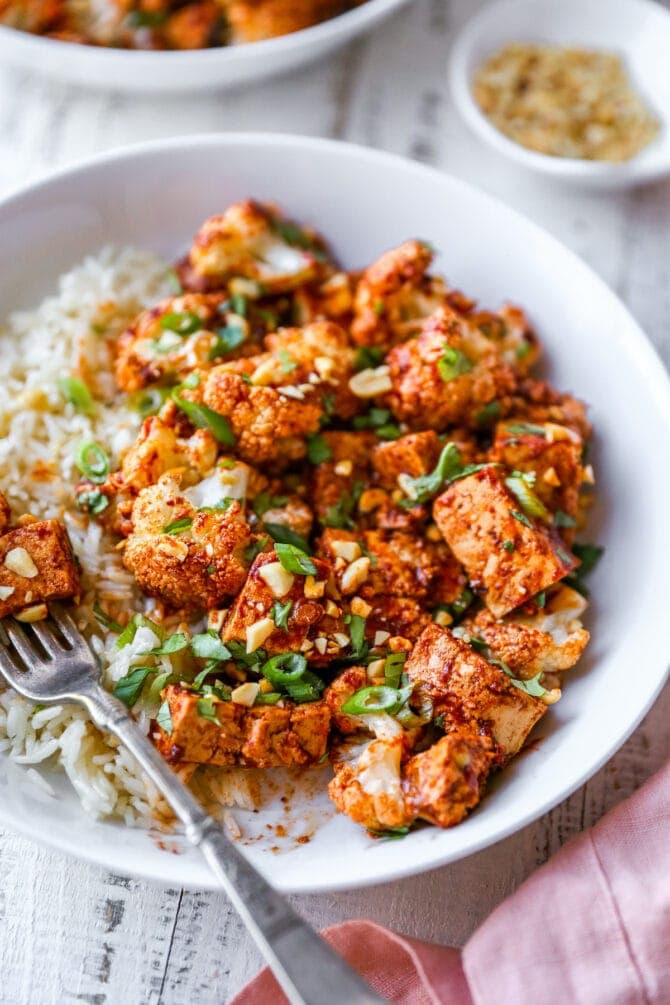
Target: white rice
(69,333)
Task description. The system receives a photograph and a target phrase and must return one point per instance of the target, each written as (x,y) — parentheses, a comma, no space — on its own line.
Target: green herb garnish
(295,559)
(318,450)
(93,501)
(209,646)
(177,526)
(129,688)
(182,322)
(92,461)
(368,357)
(280,613)
(453,363)
(76,393)
(282,534)
(206,418)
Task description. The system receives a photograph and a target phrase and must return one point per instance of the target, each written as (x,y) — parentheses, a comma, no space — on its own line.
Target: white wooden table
(71,932)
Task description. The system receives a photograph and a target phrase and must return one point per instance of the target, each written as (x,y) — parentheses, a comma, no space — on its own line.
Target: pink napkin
(591,926)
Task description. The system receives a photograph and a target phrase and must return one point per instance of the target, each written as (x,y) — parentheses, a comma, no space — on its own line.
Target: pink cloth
(591,927)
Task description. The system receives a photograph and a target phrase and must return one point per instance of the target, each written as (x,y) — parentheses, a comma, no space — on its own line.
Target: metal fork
(50,662)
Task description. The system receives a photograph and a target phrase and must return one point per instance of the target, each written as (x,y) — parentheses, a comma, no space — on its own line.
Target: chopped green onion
(525,429)
(177,526)
(109,623)
(508,546)
(393,667)
(206,418)
(318,450)
(264,501)
(389,833)
(76,393)
(268,698)
(149,401)
(378,698)
(453,363)
(519,485)
(295,560)
(356,624)
(522,518)
(286,668)
(239,304)
(92,461)
(172,279)
(541,599)
(182,322)
(93,501)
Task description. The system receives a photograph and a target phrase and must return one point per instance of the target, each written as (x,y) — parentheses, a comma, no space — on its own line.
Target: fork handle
(307,969)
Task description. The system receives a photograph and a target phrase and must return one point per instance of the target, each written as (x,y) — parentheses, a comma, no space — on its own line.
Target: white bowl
(639,30)
(200,69)
(155,196)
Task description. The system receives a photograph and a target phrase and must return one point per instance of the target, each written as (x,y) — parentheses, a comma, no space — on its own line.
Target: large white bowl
(199,69)
(155,196)
(639,30)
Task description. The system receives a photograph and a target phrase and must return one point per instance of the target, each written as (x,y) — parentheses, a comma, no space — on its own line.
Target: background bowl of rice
(100,237)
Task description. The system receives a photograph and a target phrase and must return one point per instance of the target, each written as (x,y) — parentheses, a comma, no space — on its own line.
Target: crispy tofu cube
(265,736)
(436,385)
(550,451)
(307,620)
(413,455)
(444,782)
(36,565)
(508,558)
(402,617)
(466,688)
(332,493)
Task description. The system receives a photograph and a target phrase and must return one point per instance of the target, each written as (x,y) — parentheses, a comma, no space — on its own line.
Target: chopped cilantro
(562,519)
(295,559)
(129,688)
(206,709)
(522,518)
(488,415)
(227,339)
(255,549)
(508,546)
(164,718)
(109,623)
(209,646)
(282,534)
(286,361)
(367,357)
(318,450)
(264,501)
(280,613)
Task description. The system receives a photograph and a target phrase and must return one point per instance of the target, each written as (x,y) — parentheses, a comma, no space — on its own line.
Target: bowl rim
(636,170)
(341,24)
(650,365)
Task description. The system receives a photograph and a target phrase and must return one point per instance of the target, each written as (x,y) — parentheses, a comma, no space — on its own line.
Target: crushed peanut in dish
(565,102)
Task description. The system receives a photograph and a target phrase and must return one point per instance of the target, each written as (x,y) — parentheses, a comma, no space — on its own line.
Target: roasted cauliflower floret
(444,782)
(36,565)
(158,449)
(434,383)
(394,296)
(269,425)
(248,241)
(319,354)
(189,557)
(507,331)
(259,617)
(367,786)
(255,20)
(257,737)
(550,641)
(508,557)
(466,689)
(36,16)
(167,342)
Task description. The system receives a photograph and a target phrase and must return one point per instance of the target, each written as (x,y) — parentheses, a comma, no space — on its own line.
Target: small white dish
(195,70)
(155,196)
(638,30)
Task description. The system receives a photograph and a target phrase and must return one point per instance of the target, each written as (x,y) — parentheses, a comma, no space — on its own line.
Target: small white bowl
(101,68)
(639,30)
